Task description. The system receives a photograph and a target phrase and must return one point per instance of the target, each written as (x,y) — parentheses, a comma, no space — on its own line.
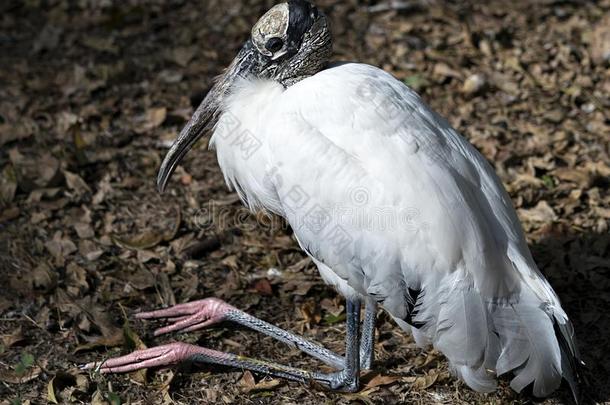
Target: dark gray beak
(248,62)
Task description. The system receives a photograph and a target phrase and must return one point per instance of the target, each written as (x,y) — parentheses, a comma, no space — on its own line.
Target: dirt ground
(93,91)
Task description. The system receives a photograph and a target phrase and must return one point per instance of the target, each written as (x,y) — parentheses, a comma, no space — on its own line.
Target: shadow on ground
(578,266)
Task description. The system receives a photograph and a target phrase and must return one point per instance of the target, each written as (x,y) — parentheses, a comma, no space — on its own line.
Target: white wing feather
(392,203)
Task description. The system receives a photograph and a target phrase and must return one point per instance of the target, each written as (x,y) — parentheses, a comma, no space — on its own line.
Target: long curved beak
(205,117)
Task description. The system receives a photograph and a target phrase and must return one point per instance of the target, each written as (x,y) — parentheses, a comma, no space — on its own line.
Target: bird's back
(392,203)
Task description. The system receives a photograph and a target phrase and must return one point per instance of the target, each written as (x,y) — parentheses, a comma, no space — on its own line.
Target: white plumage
(390,202)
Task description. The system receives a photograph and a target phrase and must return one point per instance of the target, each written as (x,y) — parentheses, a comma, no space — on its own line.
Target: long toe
(162,356)
(190,316)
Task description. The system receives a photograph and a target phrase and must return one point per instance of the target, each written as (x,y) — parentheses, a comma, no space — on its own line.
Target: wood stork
(392,204)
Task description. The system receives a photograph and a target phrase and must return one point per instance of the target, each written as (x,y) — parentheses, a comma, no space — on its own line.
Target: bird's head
(291,42)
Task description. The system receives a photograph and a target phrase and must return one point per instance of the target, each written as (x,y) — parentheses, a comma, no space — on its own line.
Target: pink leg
(199,314)
(162,356)
(175,353)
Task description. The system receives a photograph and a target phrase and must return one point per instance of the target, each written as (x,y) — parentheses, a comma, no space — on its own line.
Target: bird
(395,208)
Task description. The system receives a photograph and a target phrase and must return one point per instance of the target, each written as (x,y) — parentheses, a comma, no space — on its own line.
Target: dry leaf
(247,381)
(112,341)
(76,183)
(600,41)
(144,240)
(153,118)
(425,381)
(310,313)
(381,380)
(474,83)
(249,385)
(59,381)
(11,339)
(541,213)
(134,342)
(182,55)
(12,377)
(263,287)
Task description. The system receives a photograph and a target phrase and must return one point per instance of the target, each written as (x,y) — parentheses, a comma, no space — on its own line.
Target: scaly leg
(348,379)
(200,314)
(367,340)
(175,353)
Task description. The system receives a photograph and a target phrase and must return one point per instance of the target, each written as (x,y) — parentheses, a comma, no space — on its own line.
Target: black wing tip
(573,372)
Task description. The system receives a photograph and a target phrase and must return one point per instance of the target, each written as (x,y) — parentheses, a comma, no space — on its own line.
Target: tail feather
(529,345)
(529,336)
(570,358)
(468,342)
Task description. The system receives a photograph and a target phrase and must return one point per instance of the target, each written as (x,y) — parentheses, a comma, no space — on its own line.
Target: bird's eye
(274,44)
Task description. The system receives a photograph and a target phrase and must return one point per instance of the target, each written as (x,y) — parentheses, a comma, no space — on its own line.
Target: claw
(190,316)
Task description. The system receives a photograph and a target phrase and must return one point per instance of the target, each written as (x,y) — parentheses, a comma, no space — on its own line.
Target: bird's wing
(362,152)
(393,203)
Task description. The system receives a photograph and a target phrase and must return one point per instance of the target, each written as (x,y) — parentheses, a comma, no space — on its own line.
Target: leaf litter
(94,92)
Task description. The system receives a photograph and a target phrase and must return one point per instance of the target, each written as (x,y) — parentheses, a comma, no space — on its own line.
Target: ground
(93,91)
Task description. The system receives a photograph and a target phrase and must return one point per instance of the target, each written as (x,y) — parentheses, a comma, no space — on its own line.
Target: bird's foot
(200,314)
(156,357)
(343,381)
(173,354)
(190,316)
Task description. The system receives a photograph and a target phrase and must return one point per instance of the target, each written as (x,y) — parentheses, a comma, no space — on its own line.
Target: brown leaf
(134,342)
(541,213)
(83,230)
(333,307)
(11,339)
(310,313)
(15,378)
(600,41)
(89,250)
(59,381)
(141,278)
(16,131)
(474,83)
(144,240)
(60,247)
(76,277)
(35,171)
(153,118)
(249,384)
(98,399)
(43,277)
(111,341)
(76,183)
(380,380)
(574,175)
(182,55)
(425,381)
(9,214)
(263,287)
(443,70)
(247,381)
